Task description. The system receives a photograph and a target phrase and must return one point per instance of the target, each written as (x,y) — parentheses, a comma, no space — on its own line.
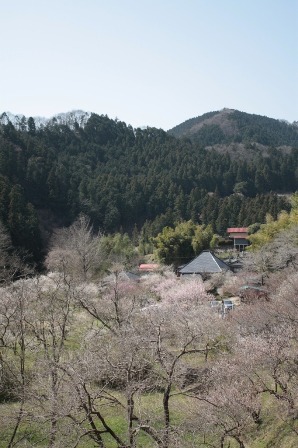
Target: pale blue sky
(149,62)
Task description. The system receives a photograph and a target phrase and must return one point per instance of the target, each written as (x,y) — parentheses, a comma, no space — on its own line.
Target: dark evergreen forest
(139,180)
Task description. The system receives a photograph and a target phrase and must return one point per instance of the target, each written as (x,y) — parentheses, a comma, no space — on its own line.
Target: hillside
(237,133)
(137,180)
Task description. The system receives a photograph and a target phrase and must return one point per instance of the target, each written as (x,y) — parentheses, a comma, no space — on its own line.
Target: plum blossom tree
(113,301)
(35,318)
(150,355)
(14,348)
(168,288)
(228,407)
(50,326)
(135,351)
(268,339)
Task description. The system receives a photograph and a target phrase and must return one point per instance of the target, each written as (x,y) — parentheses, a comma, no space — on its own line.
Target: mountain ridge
(231,125)
(143,179)
(20,121)
(81,117)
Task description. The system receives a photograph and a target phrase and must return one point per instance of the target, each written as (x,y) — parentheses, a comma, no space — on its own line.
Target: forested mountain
(141,179)
(232,126)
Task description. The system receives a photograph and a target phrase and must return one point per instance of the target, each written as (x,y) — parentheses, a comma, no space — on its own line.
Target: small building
(239,236)
(126,275)
(204,264)
(148,267)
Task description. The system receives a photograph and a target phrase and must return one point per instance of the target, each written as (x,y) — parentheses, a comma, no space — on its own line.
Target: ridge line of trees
(126,179)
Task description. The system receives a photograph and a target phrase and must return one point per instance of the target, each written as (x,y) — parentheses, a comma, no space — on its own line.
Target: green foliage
(172,248)
(267,131)
(31,126)
(202,238)
(182,128)
(177,245)
(268,231)
(122,177)
(254,228)
(214,241)
(210,135)
(119,247)
(294,202)
(237,126)
(240,187)
(23,223)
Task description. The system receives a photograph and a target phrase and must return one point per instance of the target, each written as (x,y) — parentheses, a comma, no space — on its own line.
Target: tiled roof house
(205,263)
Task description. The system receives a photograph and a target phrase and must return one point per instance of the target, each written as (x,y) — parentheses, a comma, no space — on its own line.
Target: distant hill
(20,122)
(207,169)
(229,126)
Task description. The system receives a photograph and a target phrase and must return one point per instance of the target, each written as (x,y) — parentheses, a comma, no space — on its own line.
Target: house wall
(238,235)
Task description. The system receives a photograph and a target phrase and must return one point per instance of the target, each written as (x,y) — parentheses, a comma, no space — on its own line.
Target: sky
(149,62)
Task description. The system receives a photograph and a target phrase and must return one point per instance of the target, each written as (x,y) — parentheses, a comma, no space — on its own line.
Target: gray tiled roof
(130,276)
(206,262)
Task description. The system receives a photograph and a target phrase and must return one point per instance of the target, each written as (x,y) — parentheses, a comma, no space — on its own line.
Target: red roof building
(238,231)
(239,236)
(148,267)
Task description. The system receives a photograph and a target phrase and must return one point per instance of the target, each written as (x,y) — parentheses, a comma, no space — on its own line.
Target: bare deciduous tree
(15,347)
(150,355)
(76,250)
